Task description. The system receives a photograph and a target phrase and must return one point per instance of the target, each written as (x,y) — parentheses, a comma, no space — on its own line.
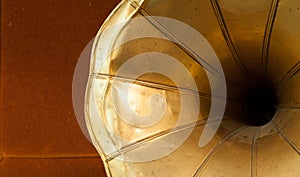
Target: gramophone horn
(197,88)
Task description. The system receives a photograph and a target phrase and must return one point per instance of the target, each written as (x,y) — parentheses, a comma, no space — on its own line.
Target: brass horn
(245,126)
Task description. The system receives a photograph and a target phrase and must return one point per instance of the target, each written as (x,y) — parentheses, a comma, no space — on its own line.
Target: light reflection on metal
(257,43)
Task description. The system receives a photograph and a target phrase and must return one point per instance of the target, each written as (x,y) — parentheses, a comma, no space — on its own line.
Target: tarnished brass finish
(258,44)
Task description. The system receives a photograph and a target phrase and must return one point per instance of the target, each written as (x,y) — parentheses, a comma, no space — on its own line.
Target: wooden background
(41,42)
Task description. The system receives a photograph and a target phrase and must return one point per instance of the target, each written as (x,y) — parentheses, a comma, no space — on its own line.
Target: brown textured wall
(40,45)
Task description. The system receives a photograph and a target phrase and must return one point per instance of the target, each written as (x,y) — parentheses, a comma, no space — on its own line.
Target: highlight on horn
(197,88)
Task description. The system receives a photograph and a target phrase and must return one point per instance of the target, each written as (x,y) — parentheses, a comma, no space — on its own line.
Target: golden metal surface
(258,44)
